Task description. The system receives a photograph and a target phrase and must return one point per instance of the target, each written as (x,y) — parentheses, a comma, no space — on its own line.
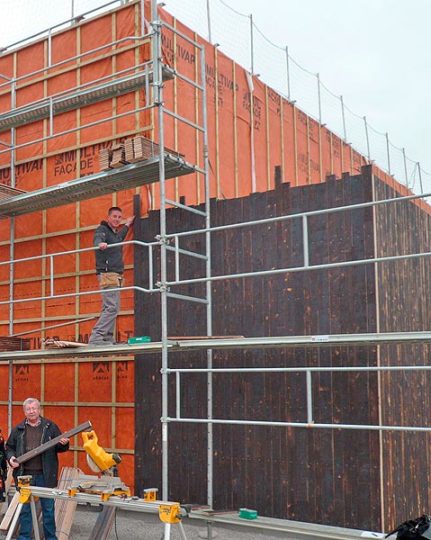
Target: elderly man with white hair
(33,431)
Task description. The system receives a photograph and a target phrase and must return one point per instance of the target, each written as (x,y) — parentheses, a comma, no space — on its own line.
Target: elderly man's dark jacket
(110,259)
(15,446)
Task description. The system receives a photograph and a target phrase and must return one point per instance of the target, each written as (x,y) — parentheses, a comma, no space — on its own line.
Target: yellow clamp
(24,489)
(105,495)
(168,513)
(150,494)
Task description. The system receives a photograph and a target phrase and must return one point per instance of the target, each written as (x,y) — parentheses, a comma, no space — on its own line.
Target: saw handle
(101,458)
(89,436)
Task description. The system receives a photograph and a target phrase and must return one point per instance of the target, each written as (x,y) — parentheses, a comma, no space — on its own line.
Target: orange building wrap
(252,132)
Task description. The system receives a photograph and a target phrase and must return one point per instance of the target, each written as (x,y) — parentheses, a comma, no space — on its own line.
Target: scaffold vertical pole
(209,21)
(210,439)
(158,95)
(11,257)
(343,117)
(367,138)
(388,153)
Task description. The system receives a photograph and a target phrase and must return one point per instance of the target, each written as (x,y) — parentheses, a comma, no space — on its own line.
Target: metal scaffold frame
(94,185)
(164,165)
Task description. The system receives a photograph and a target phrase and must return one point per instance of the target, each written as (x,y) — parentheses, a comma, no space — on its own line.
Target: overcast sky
(373,52)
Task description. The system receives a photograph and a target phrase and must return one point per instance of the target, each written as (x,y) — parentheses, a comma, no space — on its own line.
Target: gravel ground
(134,526)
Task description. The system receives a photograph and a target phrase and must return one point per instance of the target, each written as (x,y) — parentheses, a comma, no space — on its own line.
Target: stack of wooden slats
(144,148)
(129,151)
(104,159)
(118,158)
(11,343)
(65,510)
(132,150)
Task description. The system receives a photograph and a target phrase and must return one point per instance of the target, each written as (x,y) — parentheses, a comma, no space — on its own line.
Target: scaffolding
(160,167)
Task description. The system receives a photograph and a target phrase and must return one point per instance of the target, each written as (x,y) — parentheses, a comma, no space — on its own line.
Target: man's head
(31,408)
(115,215)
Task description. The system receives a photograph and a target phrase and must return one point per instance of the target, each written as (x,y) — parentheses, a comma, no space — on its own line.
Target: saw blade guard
(92,465)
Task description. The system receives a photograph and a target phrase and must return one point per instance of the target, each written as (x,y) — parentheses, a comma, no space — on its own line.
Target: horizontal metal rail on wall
(308,213)
(308,371)
(306,267)
(107,181)
(304,216)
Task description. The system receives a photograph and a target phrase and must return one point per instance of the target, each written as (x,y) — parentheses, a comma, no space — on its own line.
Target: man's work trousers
(25,521)
(104,330)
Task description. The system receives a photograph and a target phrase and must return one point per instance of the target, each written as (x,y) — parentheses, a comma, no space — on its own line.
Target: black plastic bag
(414,529)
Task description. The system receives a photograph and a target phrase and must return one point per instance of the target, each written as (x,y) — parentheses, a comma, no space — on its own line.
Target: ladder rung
(188,208)
(187,252)
(187,298)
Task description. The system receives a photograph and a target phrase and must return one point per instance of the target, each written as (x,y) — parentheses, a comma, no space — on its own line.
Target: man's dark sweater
(33,438)
(110,259)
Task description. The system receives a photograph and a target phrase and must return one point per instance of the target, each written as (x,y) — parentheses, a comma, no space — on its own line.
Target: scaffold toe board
(298,529)
(95,185)
(83,352)
(219,343)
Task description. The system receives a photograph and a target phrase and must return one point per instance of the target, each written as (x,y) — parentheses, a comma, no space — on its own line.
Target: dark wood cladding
(404,305)
(318,475)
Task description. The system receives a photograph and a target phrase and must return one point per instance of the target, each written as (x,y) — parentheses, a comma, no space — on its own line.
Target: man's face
(114,218)
(32,411)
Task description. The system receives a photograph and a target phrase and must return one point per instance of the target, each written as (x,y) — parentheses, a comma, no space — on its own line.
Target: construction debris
(52,343)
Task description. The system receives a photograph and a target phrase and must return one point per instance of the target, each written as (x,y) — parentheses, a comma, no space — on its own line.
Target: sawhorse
(170,513)
(25,497)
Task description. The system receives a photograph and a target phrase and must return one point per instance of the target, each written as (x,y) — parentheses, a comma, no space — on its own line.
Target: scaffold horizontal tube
(183,119)
(317,369)
(182,35)
(184,78)
(75,294)
(287,270)
(185,207)
(74,251)
(187,298)
(188,253)
(313,425)
(299,215)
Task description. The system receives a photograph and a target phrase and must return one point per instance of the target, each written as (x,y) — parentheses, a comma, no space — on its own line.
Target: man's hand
(103,245)
(130,220)
(13,462)
(64,441)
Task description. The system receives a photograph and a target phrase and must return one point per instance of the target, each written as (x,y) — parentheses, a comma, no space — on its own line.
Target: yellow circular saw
(98,459)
